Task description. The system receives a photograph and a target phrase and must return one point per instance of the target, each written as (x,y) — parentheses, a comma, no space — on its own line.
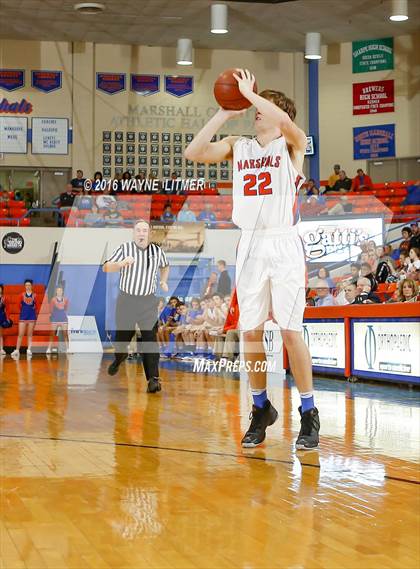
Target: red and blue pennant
(145,84)
(110,83)
(46,81)
(179,85)
(12,79)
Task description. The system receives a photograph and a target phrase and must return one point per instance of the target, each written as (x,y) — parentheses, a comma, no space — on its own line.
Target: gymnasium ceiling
(252,25)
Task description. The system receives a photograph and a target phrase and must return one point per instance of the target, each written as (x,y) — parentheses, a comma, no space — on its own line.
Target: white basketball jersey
(265,185)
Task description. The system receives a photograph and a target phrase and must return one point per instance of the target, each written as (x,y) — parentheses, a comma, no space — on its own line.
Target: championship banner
(13,135)
(110,83)
(179,85)
(145,84)
(373,55)
(12,79)
(373,97)
(50,136)
(374,142)
(46,81)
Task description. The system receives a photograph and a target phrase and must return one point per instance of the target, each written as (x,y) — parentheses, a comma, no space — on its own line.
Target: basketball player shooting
(270,266)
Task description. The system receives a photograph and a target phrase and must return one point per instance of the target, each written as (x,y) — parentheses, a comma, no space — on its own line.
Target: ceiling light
(313,45)
(399,11)
(219,19)
(184,52)
(89,8)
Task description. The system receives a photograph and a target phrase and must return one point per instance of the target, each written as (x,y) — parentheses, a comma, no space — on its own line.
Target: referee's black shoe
(153,385)
(113,368)
(262,417)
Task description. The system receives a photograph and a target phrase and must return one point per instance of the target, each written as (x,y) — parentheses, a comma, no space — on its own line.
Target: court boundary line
(191,451)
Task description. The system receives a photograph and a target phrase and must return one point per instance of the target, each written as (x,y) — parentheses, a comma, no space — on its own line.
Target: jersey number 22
(257,185)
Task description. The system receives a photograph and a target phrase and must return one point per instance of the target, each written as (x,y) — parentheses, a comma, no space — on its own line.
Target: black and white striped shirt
(140,278)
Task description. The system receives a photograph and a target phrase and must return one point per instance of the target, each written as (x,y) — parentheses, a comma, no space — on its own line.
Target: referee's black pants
(141,310)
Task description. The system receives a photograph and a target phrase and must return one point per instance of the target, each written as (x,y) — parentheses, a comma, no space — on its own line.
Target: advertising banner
(386,349)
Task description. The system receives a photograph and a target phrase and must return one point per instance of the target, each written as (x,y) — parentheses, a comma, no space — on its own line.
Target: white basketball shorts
(271,276)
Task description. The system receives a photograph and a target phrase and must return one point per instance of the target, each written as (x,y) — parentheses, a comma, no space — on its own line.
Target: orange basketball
(227,94)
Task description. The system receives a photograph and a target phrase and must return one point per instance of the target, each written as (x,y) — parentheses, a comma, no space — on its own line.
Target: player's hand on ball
(126,262)
(164,286)
(245,81)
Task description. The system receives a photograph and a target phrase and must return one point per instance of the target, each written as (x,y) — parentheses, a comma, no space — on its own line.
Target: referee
(138,263)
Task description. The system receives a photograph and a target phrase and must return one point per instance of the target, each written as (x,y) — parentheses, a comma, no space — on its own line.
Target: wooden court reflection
(96,473)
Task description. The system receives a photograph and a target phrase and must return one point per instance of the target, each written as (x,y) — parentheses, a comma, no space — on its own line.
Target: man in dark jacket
(224,285)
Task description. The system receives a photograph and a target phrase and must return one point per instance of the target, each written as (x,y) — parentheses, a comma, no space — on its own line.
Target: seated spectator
(384,271)
(366,271)
(94,217)
(415,235)
(224,284)
(316,192)
(340,298)
(207,215)
(324,274)
(214,319)
(405,244)
(323,294)
(97,182)
(84,201)
(364,292)
(171,185)
(333,178)
(373,260)
(343,182)
(388,252)
(185,215)
(343,206)
(167,215)
(79,181)
(312,207)
(105,200)
(113,216)
(310,186)
(67,198)
(361,182)
(165,320)
(350,292)
(115,186)
(211,285)
(413,194)
(414,261)
(408,291)
(355,271)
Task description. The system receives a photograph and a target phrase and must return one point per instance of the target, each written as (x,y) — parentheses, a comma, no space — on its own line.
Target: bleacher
(390,194)
(151,207)
(11,212)
(42,326)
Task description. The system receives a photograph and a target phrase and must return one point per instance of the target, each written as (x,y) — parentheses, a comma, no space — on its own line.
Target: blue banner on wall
(46,81)
(374,141)
(145,84)
(179,85)
(12,79)
(110,83)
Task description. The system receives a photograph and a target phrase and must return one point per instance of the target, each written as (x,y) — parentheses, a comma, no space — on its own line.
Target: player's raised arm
(294,135)
(201,149)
